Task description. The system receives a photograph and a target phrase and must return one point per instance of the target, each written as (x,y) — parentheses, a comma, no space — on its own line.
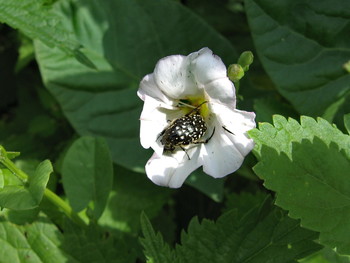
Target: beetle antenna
(191,106)
(187,105)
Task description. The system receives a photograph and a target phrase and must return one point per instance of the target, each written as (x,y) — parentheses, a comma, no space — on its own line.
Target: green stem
(51,196)
(12,167)
(67,209)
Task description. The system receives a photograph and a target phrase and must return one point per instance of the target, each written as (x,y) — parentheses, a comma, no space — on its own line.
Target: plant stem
(66,209)
(51,196)
(12,167)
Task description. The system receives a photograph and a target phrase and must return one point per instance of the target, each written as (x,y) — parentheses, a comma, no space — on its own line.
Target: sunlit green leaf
(33,243)
(28,196)
(308,166)
(326,255)
(87,174)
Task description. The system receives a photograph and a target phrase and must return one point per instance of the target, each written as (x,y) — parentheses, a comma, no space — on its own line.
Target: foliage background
(69,74)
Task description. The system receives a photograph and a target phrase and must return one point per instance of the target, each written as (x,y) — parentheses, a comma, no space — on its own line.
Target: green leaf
(243,201)
(33,243)
(266,107)
(303,46)
(37,21)
(308,166)
(12,155)
(8,56)
(262,234)
(347,122)
(22,197)
(283,132)
(21,217)
(132,193)
(103,102)
(87,174)
(212,187)
(25,53)
(92,245)
(156,251)
(2,181)
(326,255)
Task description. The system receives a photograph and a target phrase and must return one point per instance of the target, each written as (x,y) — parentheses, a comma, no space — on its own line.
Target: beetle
(183,131)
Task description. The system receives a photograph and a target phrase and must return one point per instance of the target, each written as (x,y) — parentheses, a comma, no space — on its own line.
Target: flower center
(200,104)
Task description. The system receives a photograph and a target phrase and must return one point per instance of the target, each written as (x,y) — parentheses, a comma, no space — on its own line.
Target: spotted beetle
(184,131)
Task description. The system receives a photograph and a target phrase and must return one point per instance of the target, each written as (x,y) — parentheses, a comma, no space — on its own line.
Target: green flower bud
(347,66)
(235,72)
(245,59)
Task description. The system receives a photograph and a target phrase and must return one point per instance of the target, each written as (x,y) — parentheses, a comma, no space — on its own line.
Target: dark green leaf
(264,234)
(156,251)
(347,122)
(212,187)
(303,46)
(243,202)
(265,108)
(8,56)
(132,193)
(87,174)
(92,245)
(37,21)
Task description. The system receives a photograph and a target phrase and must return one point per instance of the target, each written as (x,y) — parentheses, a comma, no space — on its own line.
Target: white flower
(177,83)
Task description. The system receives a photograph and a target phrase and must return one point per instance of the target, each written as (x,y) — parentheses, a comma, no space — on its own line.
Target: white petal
(148,87)
(234,120)
(206,66)
(236,124)
(221,91)
(174,78)
(152,124)
(172,170)
(221,157)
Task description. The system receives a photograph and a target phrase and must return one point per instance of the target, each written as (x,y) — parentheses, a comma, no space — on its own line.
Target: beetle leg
(185,152)
(227,130)
(161,134)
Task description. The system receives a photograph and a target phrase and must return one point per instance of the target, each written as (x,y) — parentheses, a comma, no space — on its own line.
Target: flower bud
(235,72)
(245,59)
(347,66)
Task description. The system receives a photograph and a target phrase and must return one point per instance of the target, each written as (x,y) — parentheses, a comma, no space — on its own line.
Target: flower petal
(172,170)
(206,66)
(173,77)
(220,156)
(152,124)
(221,91)
(148,87)
(234,120)
(236,123)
